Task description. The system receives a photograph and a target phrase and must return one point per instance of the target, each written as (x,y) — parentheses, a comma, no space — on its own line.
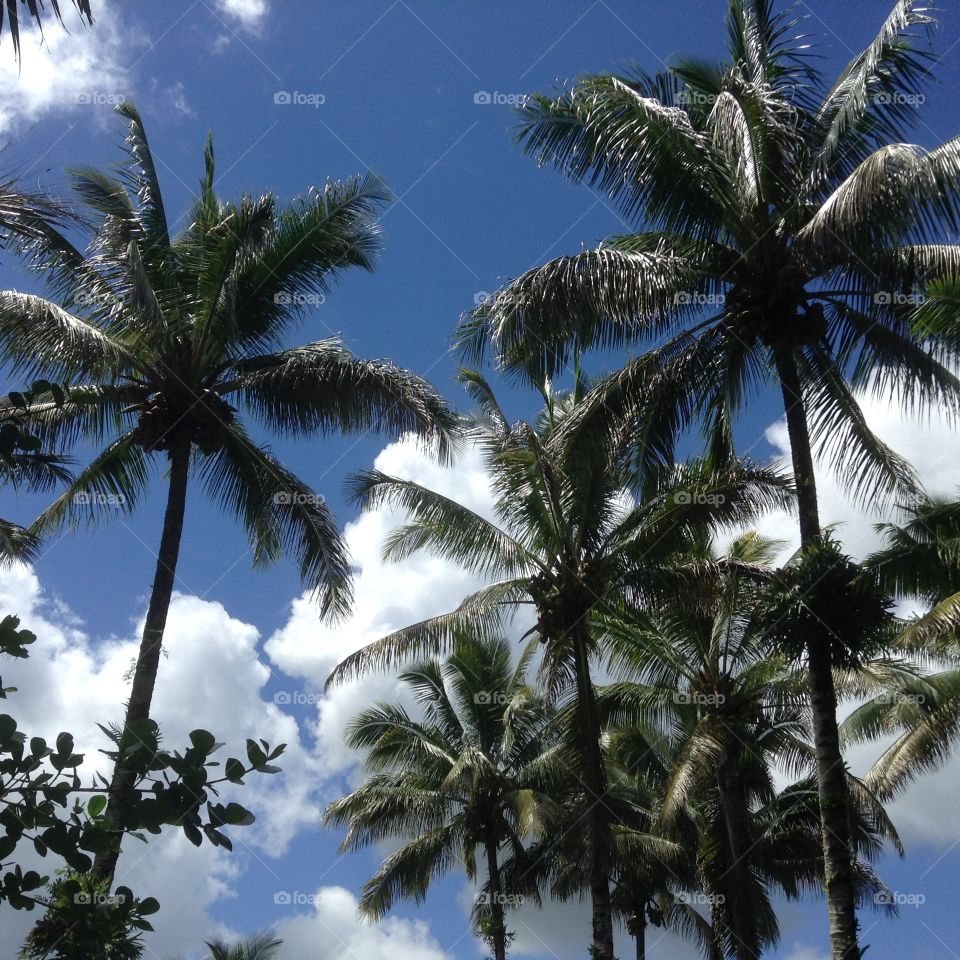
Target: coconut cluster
(781,317)
(199,419)
(562,602)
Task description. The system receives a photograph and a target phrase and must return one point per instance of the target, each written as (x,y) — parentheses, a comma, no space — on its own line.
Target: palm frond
(322,387)
(281,515)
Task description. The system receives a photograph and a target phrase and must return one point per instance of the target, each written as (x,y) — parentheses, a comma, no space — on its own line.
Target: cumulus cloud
(332,930)
(79,75)
(929,445)
(801,952)
(925,814)
(211,676)
(388,596)
(250,13)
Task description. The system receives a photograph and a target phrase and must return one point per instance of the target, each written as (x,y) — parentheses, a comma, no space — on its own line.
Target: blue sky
(389,86)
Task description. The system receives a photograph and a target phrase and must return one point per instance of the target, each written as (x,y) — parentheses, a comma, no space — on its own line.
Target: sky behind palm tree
(420,90)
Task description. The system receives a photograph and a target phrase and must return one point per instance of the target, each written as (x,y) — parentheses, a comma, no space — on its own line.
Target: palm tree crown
(467,776)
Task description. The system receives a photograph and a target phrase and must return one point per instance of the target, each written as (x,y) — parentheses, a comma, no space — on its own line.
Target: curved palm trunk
(831,775)
(148,658)
(594,778)
(498,928)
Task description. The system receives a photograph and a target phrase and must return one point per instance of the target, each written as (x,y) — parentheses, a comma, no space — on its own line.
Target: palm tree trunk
(639,929)
(148,658)
(831,774)
(594,779)
(736,882)
(498,928)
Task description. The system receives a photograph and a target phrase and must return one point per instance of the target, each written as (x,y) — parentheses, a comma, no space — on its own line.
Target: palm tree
(34,9)
(570,537)
(707,714)
(644,861)
(25,220)
(159,335)
(24,464)
(261,946)
(919,560)
(782,234)
(466,777)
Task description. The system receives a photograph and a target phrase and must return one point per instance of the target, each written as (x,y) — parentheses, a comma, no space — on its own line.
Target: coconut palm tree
(644,861)
(568,536)
(711,692)
(467,777)
(27,219)
(920,709)
(783,232)
(160,334)
(25,465)
(35,9)
(261,946)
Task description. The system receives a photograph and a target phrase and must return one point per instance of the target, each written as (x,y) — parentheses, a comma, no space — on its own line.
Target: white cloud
(210,677)
(250,13)
(927,813)
(388,596)
(802,952)
(80,73)
(929,445)
(333,931)
(177,95)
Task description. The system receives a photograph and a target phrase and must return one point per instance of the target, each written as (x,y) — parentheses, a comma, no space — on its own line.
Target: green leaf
(234,770)
(203,740)
(148,907)
(255,754)
(238,816)
(97,805)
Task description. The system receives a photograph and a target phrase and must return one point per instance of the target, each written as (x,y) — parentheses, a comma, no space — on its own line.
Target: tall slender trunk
(831,773)
(594,778)
(148,657)
(639,930)
(498,927)
(736,910)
